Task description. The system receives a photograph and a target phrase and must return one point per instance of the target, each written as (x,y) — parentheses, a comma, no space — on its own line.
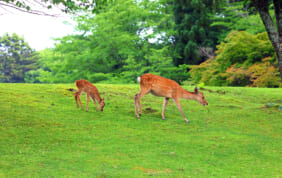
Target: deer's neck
(96,96)
(188,95)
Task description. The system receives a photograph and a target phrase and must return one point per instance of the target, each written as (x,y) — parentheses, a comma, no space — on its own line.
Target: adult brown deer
(91,91)
(163,87)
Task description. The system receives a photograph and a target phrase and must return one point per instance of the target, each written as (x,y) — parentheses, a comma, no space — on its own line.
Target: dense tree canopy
(192,24)
(118,40)
(115,44)
(16,58)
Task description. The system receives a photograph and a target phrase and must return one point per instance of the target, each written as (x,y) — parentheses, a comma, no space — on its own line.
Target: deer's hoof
(187,121)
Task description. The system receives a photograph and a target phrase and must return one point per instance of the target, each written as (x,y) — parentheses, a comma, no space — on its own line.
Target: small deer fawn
(163,87)
(91,91)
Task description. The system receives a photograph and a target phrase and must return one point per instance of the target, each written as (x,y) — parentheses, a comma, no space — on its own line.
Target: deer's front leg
(180,109)
(77,97)
(87,102)
(164,106)
(93,99)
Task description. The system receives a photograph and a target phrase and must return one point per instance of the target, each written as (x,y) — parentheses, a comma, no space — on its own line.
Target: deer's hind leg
(164,105)
(137,98)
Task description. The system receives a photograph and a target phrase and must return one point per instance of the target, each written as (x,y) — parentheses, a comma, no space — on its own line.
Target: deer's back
(85,85)
(160,86)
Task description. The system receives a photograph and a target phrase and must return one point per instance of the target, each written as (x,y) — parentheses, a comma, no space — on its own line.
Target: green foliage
(242,60)
(123,39)
(16,58)
(178,74)
(114,44)
(65,5)
(251,24)
(207,72)
(236,76)
(234,15)
(43,134)
(265,74)
(243,48)
(155,61)
(192,25)
(262,74)
(225,18)
(32,76)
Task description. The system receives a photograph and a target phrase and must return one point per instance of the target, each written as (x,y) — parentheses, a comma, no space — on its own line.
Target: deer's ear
(196,90)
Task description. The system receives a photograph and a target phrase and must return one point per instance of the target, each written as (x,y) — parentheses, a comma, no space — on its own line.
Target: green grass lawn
(43,134)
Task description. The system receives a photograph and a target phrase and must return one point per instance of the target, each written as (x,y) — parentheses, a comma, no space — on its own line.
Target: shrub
(260,74)
(208,73)
(236,76)
(243,48)
(264,74)
(242,60)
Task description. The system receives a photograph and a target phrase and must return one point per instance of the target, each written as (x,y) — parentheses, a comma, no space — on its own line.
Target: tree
(234,15)
(192,24)
(16,58)
(38,6)
(274,34)
(116,42)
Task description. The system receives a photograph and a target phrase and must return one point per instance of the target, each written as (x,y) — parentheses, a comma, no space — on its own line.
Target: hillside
(43,134)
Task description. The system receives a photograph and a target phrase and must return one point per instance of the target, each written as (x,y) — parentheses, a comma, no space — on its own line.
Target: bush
(264,74)
(260,74)
(236,76)
(243,48)
(32,76)
(242,60)
(208,73)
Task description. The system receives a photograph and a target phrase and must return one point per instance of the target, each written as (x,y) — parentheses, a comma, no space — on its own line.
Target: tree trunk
(278,14)
(275,35)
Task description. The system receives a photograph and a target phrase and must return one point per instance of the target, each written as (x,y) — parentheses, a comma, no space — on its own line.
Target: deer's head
(102,104)
(200,97)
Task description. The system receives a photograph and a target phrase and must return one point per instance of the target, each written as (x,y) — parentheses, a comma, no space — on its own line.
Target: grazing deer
(91,91)
(163,87)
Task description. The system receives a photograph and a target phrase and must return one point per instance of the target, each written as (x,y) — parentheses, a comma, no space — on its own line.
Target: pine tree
(192,24)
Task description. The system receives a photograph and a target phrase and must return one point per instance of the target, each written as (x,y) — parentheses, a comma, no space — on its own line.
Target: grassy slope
(44,134)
